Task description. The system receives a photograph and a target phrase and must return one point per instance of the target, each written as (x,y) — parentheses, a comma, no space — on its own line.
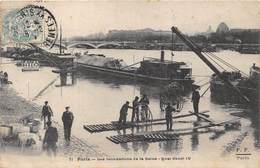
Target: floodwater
(94,99)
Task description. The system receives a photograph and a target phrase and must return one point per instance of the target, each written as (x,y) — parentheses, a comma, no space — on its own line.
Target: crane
(198,51)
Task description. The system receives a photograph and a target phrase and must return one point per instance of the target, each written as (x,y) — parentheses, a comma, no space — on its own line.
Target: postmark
(31,24)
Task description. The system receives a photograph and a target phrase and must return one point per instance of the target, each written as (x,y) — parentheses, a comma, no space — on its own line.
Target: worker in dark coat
(67,119)
(46,113)
(135,112)
(168,116)
(195,99)
(50,139)
(123,113)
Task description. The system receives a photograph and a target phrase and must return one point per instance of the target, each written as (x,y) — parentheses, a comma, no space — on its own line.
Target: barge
(150,69)
(248,85)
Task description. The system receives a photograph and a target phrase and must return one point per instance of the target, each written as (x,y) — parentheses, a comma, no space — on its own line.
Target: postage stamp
(31,24)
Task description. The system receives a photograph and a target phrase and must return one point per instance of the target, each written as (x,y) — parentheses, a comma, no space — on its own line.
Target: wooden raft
(164,135)
(105,127)
(117,139)
(95,128)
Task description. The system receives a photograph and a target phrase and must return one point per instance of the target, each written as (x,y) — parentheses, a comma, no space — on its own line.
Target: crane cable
(214,61)
(208,53)
(226,63)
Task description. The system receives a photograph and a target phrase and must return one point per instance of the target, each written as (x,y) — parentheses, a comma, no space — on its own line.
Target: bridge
(147,45)
(93,44)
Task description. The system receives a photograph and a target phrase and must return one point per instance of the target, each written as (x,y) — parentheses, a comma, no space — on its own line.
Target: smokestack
(162,54)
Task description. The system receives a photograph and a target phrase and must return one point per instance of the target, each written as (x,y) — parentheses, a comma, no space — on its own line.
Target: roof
(158,61)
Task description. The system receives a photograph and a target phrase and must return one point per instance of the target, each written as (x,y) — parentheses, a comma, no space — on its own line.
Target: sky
(86,17)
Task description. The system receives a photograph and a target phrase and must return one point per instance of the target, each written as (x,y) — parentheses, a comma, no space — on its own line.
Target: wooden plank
(116,139)
(161,136)
(128,138)
(88,128)
(110,126)
(94,128)
(114,124)
(148,136)
(102,126)
(204,118)
(157,137)
(98,127)
(203,114)
(113,127)
(105,127)
(113,140)
(175,131)
(162,119)
(123,139)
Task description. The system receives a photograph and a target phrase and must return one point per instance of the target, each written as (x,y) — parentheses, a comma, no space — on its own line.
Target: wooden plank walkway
(105,127)
(95,128)
(117,139)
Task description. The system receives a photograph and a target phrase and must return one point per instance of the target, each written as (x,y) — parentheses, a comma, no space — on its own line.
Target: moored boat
(150,69)
(247,85)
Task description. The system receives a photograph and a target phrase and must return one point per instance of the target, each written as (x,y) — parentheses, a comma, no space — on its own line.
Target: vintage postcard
(147,83)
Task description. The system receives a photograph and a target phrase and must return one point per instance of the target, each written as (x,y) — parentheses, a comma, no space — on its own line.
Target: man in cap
(46,112)
(67,119)
(50,139)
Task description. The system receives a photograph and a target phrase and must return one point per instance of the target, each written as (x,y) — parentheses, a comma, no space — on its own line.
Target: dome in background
(222,28)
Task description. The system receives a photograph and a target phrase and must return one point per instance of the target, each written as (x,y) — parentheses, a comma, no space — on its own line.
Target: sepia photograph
(128,83)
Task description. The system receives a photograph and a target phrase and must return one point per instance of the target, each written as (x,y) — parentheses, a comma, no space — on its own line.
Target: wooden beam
(187,129)
(162,119)
(199,115)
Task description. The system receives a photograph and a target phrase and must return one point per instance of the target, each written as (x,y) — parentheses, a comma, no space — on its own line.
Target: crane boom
(198,52)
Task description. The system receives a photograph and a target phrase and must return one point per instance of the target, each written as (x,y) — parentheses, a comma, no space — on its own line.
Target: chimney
(162,54)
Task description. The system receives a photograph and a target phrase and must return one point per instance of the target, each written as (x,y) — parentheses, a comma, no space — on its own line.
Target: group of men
(144,103)
(51,134)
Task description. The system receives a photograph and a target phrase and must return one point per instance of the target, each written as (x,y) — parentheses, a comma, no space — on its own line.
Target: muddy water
(96,99)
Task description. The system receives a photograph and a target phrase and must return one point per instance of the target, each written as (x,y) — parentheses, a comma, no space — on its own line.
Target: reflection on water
(255,118)
(195,137)
(171,146)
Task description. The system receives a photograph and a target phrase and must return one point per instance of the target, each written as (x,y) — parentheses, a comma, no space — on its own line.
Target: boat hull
(131,75)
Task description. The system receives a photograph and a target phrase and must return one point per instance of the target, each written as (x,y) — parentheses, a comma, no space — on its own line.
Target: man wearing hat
(46,112)
(67,119)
